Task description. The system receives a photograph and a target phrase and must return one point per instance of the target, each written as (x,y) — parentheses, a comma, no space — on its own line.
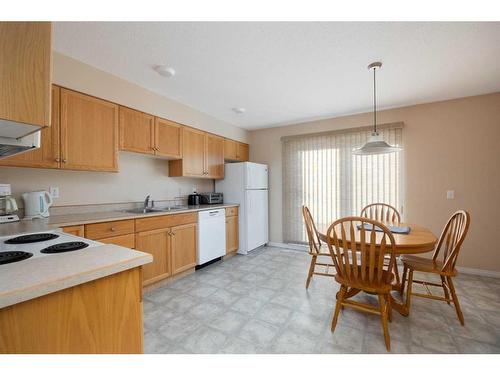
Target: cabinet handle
(113,229)
(57,160)
(64,160)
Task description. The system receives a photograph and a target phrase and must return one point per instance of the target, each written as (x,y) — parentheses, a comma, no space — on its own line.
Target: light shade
(375,145)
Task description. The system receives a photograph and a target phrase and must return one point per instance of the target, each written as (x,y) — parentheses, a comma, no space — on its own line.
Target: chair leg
(389,307)
(383,317)
(311,270)
(340,299)
(403,279)
(408,291)
(445,289)
(455,300)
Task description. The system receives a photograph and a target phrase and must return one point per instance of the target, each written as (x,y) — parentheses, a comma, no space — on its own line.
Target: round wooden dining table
(419,240)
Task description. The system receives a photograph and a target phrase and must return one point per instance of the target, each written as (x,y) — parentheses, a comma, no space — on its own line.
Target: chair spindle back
(381,212)
(451,239)
(363,263)
(312,232)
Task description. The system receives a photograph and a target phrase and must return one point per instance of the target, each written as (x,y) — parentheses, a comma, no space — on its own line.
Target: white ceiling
(290,72)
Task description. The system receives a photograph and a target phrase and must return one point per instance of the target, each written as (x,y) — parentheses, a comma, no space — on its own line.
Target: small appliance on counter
(212,198)
(8,205)
(194,199)
(36,204)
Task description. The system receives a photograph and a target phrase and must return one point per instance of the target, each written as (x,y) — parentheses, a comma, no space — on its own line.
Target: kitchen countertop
(38,276)
(35,277)
(58,221)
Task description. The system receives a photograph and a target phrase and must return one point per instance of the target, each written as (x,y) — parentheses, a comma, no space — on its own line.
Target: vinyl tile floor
(258,304)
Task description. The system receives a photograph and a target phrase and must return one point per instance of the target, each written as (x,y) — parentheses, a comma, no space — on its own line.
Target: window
(320,171)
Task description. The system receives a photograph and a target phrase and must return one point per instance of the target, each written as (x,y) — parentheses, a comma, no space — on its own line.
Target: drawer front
(109,229)
(127,240)
(76,230)
(165,221)
(232,211)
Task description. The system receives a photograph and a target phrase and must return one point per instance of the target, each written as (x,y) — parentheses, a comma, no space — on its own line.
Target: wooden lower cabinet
(183,247)
(157,243)
(232,234)
(76,230)
(100,316)
(127,240)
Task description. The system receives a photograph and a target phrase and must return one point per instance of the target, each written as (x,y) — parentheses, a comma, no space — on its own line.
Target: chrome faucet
(146,202)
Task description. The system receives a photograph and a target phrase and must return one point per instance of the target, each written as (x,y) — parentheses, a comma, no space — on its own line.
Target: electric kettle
(36,204)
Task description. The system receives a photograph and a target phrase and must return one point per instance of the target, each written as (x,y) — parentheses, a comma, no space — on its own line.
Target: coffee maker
(8,205)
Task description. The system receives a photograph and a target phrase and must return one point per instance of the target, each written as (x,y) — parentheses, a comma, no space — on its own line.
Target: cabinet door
(156,243)
(89,133)
(168,138)
(243,151)
(230,149)
(193,153)
(183,247)
(214,156)
(232,239)
(136,131)
(25,69)
(47,156)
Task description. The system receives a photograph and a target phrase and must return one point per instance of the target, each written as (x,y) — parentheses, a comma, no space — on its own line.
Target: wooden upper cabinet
(192,163)
(47,156)
(214,156)
(25,72)
(243,152)
(183,248)
(137,131)
(235,151)
(230,149)
(89,133)
(168,138)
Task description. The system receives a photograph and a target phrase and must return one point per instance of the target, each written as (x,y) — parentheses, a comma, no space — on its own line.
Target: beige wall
(139,175)
(450,145)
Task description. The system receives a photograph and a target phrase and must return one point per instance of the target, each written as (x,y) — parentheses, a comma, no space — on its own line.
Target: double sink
(150,210)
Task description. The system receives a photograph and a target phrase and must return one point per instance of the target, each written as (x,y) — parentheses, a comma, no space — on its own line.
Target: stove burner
(13,256)
(30,238)
(63,247)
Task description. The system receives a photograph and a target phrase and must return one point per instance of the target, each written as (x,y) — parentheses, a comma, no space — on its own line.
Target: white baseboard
(478,272)
(464,270)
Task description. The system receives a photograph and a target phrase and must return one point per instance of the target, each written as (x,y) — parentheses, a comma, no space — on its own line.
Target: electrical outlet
(450,194)
(54,191)
(194,189)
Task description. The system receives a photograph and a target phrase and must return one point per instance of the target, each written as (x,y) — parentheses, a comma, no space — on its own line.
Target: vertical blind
(320,171)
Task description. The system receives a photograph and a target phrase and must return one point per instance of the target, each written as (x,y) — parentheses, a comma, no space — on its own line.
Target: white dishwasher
(211,235)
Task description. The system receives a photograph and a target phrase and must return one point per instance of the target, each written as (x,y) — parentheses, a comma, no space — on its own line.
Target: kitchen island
(87,301)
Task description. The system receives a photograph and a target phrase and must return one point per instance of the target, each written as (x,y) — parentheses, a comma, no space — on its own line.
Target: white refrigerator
(247,184)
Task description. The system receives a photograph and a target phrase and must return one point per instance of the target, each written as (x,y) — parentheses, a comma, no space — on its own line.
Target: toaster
(212,198)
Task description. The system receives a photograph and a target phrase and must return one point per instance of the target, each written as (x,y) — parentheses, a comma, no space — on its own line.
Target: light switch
(450,194)
(54,191)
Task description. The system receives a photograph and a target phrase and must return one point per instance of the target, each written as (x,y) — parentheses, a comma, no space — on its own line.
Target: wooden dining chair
(442,263)
(382,212)
(387,214)
(315,248)
(361,267)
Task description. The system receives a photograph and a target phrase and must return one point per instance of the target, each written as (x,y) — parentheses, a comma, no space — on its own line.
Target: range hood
(16,138)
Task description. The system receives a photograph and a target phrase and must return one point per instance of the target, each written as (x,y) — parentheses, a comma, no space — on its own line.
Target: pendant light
(375,145)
